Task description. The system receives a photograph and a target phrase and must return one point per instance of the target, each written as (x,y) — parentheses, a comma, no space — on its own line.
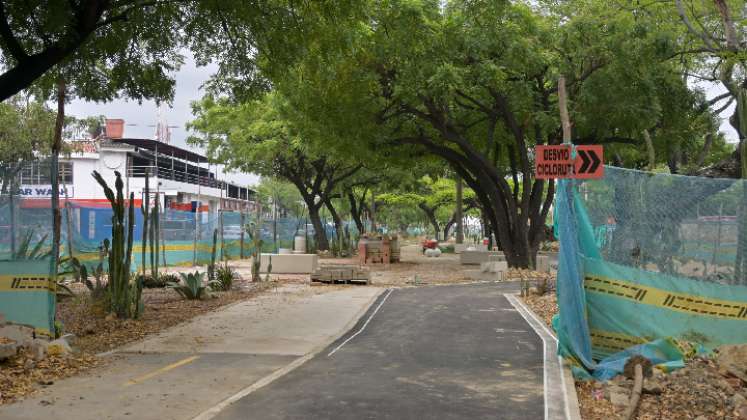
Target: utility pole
(373,211)
(459,207)
(563,104)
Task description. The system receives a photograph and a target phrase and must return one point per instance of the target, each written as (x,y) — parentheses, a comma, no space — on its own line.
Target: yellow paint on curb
(160,371)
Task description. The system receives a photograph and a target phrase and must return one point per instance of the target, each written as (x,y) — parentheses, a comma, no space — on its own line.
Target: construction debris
(708,387)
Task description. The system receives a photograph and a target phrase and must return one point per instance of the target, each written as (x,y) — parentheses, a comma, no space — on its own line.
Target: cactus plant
(124,295)
(211,266)
(269,268)
(154,240)
(255,235)
(98,289)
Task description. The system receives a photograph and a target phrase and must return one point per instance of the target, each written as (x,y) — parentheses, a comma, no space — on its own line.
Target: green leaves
(191,287)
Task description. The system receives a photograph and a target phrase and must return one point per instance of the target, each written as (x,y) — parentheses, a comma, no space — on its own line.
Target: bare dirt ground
(702,390)
(95,332)
(413,269)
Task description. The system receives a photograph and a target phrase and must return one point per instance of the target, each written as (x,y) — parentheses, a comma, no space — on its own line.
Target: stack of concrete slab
(290,263)
(338,273)
(479,257)
(394,253)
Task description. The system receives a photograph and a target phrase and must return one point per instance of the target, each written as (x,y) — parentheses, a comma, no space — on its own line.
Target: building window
(38,173)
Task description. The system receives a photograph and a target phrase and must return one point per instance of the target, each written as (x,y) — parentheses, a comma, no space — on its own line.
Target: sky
(140,119)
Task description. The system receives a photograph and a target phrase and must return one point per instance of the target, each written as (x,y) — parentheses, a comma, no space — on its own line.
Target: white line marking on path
(365,324)
(553,366)
(216,409)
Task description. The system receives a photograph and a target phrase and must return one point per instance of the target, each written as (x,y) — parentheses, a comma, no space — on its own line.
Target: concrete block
(290,263)
(494,266)
(38,349)
(21,334)
(459,248)
(8,350)
(543,263)
(479,257)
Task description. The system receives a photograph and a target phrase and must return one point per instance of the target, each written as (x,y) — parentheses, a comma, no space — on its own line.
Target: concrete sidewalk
(187,369)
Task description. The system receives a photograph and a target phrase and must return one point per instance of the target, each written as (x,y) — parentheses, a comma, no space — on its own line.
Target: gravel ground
(702,390)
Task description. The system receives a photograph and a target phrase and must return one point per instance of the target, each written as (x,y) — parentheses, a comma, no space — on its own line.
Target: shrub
(162,281)
(447,249)
(191,286)
(224,277)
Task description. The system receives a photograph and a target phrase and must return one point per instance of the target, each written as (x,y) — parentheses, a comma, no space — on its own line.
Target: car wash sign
(42,191)
(567,161)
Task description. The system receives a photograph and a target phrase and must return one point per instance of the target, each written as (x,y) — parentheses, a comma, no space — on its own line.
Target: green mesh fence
(648,257)
(27,289)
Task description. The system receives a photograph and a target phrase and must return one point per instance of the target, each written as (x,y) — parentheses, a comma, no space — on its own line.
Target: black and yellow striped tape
(680,302)
(26,283)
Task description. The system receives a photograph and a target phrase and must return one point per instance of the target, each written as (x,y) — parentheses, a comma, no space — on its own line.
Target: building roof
(163,148)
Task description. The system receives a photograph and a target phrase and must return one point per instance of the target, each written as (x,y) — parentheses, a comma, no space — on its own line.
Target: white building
(180,178)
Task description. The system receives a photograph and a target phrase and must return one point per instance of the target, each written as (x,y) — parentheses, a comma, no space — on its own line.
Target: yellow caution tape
(675,301)
(26,283)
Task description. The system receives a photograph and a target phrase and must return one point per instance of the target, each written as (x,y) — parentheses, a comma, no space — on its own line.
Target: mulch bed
(96,332)
(699,391)
(21,375)
(164,308)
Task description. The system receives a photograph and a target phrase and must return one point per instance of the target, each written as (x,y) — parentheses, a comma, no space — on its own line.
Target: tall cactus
(125,298)
(145,208)
(255,235)
(211,267)
(155,240)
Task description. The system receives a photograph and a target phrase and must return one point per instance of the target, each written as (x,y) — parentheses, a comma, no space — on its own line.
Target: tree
(255,136)
(108,44)
(282,193)
(474,83)
(26,128)
(716,38)
(435,198)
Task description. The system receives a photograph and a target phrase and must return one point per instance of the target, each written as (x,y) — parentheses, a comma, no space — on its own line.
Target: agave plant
(27,252)
(191,286)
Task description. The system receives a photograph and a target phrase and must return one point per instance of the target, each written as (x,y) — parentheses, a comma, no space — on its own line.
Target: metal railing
(187,178)
(173,175)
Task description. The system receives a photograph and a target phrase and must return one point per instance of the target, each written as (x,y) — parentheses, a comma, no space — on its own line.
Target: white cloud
(140,119)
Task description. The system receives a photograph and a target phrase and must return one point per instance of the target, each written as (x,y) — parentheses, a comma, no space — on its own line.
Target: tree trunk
(145,209)
(320,234)
(372,212)
(447,228)
(430,213)
(336,219)
(355,213)
(740,266)
(56,147)
(458,214)
(650,150)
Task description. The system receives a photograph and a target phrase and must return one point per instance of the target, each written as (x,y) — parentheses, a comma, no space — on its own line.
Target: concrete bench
(479,257)
(290,263)
(459,248)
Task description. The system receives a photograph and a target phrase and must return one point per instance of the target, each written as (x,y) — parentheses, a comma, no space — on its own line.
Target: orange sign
(553,162)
